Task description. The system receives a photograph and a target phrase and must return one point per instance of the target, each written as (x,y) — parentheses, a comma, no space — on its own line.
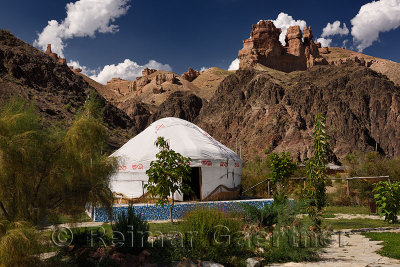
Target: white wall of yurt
(220,166)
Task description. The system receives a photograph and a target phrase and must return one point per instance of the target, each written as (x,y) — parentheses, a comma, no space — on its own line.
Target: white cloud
(234,65)
(372,19)
(84,18)
(334,29)
(324,42)
(284,21)
(204,69)
(128,70)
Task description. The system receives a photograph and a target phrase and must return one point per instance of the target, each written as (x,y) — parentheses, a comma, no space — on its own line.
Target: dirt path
(355,250)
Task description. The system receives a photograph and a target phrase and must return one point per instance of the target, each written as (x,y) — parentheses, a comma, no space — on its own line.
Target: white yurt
(216,169)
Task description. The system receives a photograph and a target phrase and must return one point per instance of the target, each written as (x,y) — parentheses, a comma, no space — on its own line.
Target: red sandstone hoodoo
(264,47)
(54,56)
(190,75)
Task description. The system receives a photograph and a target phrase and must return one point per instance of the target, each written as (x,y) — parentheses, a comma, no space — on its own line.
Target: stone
(253,262)
(263,47)
(190,75)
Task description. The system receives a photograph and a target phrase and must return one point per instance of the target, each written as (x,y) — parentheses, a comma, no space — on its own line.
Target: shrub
(133,230)
(266,217)
(387,197)
(216,236)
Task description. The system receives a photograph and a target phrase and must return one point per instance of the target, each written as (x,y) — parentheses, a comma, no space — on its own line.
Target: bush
(216,236)
(265,217)
(387,197)
(134,231)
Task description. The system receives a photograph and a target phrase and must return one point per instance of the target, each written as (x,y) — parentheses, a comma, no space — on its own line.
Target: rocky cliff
(272,111)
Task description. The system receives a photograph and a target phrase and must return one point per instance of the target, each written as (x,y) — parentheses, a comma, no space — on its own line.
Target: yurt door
(195,185)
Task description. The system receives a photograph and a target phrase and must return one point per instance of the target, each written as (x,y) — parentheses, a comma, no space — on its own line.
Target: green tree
(48,171)
(316,166)
(282,167)
(84,156)
(168,174)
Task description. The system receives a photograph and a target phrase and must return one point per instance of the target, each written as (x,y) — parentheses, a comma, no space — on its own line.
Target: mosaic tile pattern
(151,212)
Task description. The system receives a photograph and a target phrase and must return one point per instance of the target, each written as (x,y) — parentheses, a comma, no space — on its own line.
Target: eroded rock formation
(264,47)
(190,75)
(54,56)
(124,87)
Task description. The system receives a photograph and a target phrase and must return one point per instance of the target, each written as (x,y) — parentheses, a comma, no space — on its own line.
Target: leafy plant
(387,197)
(168,174)
(266,216)
(282,167)
(315,191)
(133,231)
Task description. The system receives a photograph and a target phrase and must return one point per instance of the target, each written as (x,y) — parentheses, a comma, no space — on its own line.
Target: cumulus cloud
(284,21)
(204,69)
(324,42)
(372,19)
(84,18)
(334,29)
(234,65)
(128,70)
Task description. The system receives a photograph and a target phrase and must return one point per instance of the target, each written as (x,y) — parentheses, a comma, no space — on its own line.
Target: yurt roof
(184,137)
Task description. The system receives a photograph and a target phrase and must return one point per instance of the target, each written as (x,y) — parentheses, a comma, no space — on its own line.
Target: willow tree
(45,170)
(28,153)
(87,168)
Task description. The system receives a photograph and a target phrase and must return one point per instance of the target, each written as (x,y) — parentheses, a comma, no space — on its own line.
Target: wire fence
(352,190)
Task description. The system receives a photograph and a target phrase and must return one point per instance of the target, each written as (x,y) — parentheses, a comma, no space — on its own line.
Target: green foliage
(265,217)
(211,241)
(18,244)
(134,231)
(254,172)
(315,191)
(282,167)
(168,174)
(46,170)
(387,197)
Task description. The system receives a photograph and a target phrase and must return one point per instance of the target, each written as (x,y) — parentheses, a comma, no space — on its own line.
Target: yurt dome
(216,169)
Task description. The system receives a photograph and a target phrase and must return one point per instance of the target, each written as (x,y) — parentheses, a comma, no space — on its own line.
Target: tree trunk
(170,210)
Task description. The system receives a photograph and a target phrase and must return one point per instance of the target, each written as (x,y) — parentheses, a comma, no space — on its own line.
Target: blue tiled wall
(151,212)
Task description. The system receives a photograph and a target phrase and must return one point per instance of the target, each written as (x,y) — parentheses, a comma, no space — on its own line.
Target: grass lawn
(391,243)
(357,224)
(330,210)
(165,228)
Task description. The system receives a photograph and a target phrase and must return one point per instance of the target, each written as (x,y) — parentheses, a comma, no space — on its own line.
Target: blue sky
(178,34)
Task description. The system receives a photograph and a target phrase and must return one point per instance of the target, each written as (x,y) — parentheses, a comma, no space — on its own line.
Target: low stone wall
(151,212)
